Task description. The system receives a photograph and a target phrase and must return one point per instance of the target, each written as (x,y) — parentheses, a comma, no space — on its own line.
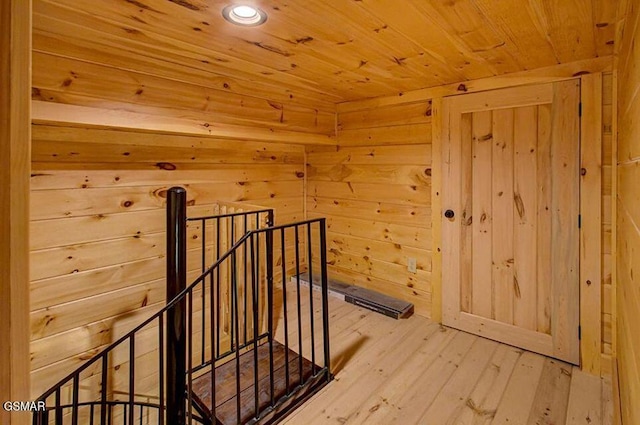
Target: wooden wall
(375,192)
(15,65)
(97,226)
(375,189)
(628,214)
(606,214)
(97,218)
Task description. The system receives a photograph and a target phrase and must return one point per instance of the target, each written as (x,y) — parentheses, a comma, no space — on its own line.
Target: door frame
(590,255)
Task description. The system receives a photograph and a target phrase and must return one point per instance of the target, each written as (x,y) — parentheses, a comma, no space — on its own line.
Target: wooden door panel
(510,259)
(545,230)
(481,223)
(525,218)
(464,159)
(503,210)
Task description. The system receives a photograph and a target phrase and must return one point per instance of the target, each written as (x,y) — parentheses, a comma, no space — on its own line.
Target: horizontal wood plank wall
(375,192)
(98,226)
(367,190)
(628,215)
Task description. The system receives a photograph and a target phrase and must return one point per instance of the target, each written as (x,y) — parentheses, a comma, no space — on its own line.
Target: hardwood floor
(414,371)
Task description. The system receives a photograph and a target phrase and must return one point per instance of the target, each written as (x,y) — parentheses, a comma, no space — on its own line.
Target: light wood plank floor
(414,371)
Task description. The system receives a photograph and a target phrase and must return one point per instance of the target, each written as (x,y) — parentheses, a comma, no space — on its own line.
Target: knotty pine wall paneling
(98,226)
(628,213)
(375,191)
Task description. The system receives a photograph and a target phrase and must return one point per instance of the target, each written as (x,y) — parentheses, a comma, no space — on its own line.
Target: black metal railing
(217,235)
(234,316)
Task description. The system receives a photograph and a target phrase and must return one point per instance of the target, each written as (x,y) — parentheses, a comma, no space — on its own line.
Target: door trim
(591,159)
(591,229)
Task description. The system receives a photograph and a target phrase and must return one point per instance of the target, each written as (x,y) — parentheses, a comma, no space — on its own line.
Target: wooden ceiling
(326,51)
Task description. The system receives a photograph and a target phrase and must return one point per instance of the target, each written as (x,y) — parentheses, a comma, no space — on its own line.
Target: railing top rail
(288,225)
(209,217)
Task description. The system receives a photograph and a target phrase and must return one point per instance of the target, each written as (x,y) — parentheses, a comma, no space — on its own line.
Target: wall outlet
(412,265)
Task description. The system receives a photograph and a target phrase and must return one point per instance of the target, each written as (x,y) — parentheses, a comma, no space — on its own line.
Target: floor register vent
(363,297)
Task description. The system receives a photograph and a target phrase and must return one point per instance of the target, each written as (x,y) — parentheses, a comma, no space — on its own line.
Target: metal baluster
(312,313)
(59,409)
(161,364)
(234,298)
(132,363)
(300,364)
(269,242)
(190,355)
(325,296)
(244,250)
(203,295)
(284,306)
(254,293)
(103,392)
(74,410)
(218,287)
(213,359)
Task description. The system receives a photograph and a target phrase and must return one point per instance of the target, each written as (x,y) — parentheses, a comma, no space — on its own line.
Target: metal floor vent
(363,297)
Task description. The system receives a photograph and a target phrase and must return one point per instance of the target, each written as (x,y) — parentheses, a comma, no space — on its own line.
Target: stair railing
(147,376)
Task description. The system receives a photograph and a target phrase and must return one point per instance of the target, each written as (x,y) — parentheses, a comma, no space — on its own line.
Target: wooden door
(511,249)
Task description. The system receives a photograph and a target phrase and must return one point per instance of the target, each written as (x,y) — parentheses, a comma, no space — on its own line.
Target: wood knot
(486,137)
(166,166)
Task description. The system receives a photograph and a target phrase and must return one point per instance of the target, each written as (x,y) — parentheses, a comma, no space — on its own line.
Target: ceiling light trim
(244,15)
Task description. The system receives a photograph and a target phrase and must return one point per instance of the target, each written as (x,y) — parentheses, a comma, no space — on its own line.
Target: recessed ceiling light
(241,14)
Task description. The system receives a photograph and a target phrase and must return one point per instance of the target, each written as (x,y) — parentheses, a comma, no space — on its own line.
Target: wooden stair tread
(225,384)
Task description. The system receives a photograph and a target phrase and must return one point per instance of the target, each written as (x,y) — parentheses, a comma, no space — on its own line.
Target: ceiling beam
(82,116)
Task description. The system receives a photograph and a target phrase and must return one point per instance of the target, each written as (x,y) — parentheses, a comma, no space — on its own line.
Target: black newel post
(176,316)
(325,296)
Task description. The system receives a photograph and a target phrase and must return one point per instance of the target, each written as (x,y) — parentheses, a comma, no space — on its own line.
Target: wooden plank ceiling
(326,51)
